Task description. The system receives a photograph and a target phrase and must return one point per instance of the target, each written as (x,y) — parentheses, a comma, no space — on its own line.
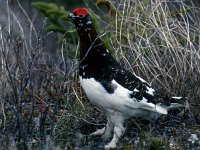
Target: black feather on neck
(95,60)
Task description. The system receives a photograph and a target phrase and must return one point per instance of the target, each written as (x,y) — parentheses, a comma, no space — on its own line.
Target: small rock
(193,138)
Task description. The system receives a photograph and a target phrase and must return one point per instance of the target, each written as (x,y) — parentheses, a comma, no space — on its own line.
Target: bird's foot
(111,145)
(99,131)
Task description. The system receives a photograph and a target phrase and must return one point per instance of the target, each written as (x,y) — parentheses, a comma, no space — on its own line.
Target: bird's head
(81,19)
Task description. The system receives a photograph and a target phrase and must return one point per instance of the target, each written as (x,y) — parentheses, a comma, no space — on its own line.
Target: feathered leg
(105,131)
(117,120)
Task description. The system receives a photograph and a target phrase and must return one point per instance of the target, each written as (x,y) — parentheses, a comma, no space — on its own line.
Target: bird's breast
(101,97)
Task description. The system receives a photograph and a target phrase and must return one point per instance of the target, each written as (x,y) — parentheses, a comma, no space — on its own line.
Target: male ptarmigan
(117,92)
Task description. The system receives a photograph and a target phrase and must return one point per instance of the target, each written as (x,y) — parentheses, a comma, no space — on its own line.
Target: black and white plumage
(116,91)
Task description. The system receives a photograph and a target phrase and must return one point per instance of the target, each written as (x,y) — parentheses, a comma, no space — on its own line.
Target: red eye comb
(80,11)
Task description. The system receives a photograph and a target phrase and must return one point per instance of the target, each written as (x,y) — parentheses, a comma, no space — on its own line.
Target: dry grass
(162,48)
(42,102)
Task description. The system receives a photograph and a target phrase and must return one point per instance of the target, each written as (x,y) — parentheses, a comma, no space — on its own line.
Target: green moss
(156,144)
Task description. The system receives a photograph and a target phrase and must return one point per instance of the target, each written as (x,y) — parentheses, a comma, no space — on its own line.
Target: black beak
(71,16)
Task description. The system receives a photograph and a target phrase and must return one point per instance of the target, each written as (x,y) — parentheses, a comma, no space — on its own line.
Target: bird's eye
(80,16)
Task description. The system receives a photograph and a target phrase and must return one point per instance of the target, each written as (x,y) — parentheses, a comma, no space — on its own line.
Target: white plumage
(119,100)
(118,106)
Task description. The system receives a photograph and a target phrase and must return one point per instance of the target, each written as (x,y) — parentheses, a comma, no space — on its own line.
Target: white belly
(101,98)
(119,100)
